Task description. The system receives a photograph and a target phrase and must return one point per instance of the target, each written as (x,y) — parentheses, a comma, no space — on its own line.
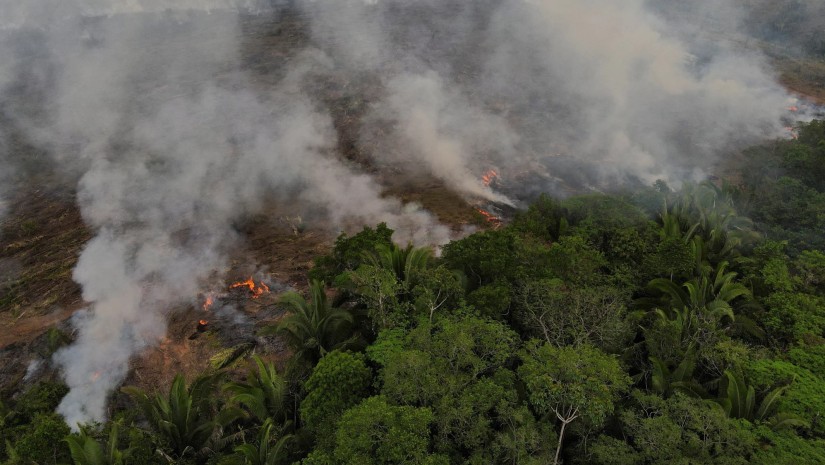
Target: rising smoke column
(436,125)
(413,48)
(171,144)
(165,219)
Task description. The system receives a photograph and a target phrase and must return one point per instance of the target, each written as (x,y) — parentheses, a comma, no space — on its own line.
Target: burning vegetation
(251,288)
(491,179)
(488,177)
(494,220)
(256,290)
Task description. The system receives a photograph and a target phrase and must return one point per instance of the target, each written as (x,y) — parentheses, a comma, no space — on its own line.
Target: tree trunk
(561,438)
(572,414)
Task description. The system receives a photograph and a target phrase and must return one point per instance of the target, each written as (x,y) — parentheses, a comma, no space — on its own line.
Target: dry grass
(40,241)
(804,77)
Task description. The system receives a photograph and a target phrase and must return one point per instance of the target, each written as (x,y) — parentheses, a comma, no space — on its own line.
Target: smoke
(439,129)
(626,95)
(591,90)
(424,119)
(170,137)
(172,143)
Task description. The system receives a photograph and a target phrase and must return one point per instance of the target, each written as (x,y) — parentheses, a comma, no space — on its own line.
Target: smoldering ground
(154,111)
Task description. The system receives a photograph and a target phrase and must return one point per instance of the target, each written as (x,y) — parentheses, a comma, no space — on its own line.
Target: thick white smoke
(148,104)
(165,213)
(174,144)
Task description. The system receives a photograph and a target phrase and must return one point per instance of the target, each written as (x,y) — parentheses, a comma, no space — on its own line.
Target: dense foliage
(652,326)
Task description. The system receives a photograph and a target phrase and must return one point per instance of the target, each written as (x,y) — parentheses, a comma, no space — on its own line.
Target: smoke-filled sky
(153,110)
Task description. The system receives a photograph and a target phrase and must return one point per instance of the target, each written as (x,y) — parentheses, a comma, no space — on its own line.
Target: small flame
(488,177)
(203,322)
(793,108)
(210,299)
(496,221)
(95,376)
(792,132)
(257,290)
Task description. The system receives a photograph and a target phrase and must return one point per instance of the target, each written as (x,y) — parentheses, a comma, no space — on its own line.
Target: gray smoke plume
(614,87)
(173,144)
(438,128)
(639,102)
(147,104)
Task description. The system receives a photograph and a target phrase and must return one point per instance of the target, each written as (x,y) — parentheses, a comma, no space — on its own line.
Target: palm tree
(738,400)
(665,382)
(263,394)
(708,296)
(268,450)
(187,420)
(693,314)
(676,225)
(705,217)
(390,274)
(402,262)
(85,449)
(313,328)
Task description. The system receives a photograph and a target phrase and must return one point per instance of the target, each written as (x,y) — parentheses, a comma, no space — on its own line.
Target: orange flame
(496,221)
(209,301)
(95,376)
(793,108)
(203,322)
(257,290)
(488,177)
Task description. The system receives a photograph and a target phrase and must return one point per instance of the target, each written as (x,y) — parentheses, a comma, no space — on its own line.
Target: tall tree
(375,433)
(565,315)
(339,381)
(571,384)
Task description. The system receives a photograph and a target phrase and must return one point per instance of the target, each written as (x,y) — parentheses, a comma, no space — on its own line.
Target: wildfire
(210,299)
(792,132)
(257,290)
(793,108)
(496,221)
(488,177)
(200,328)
